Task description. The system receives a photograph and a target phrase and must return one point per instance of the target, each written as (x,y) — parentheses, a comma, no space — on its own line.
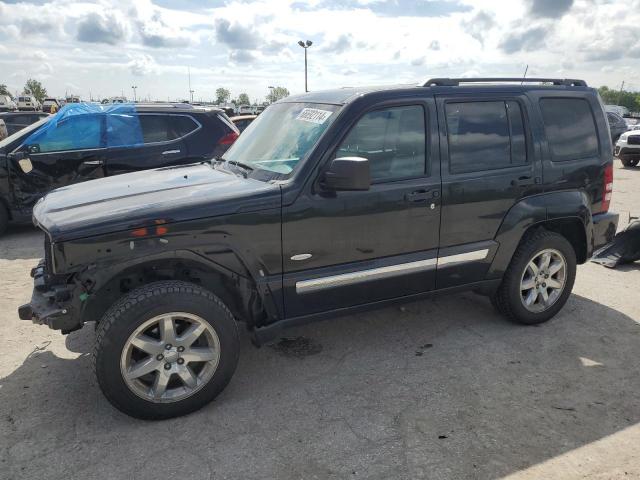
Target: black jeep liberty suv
(329,202)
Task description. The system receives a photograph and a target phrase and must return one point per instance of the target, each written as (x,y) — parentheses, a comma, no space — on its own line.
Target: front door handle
(524,180)
(170,152)
(93,162)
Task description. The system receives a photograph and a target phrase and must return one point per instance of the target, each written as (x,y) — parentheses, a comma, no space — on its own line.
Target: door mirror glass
(348,173)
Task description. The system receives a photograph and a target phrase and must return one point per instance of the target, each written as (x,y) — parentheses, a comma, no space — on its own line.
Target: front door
(343,249)
(63,152)
(488,166)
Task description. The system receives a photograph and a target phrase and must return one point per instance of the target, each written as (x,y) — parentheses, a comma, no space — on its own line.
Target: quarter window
(570,128)
(485,135)
(392,139)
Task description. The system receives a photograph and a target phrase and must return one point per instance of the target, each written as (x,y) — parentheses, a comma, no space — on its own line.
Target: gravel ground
(438,389)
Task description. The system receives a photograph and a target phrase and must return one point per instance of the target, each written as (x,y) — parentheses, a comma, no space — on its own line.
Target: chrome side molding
(332,281)
(315,284)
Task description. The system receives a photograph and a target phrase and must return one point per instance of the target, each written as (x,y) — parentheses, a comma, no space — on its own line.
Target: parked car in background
(243,121)
(7,104)
(628,148)
(617,126)
(633,128)
(28,103)
(85,142)
(16,121)
(331,202)
(3,130)
(246,110)
(49,103)
(618,109)
(72,99)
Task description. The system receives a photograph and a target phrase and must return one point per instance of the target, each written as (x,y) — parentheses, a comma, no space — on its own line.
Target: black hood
(138,199)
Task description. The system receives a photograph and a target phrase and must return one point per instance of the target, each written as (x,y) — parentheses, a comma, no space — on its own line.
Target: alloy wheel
(170,357)
(543,280)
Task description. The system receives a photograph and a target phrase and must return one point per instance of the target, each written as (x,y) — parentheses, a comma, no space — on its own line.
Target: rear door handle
(93,162)
(170,152)
(421,196)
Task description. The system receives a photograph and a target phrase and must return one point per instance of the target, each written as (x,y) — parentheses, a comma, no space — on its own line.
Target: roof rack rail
(454,82)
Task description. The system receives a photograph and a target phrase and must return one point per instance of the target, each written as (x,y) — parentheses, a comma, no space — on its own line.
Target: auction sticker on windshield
(314,115)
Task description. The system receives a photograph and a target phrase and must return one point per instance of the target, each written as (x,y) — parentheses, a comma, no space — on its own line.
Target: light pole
(270,87)
(135,98)
(305,45)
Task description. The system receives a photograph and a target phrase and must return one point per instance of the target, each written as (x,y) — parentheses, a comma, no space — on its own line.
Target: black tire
(130,312)
(629,162)
(4,219)
(507,298)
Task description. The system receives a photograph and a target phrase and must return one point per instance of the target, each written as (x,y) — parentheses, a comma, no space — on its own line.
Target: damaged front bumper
(52,302)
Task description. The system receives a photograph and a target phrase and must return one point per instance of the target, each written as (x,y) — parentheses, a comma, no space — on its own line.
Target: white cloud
(247,45)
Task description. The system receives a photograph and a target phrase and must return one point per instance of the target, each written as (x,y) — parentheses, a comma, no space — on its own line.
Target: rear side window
(485,135)
(570,128)
(164,128)
(393,140)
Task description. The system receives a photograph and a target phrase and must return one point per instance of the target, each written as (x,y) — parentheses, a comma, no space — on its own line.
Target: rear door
(488,166)
(68,151)
(147,140)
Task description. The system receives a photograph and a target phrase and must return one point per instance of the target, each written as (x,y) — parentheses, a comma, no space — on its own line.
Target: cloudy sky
(103,48)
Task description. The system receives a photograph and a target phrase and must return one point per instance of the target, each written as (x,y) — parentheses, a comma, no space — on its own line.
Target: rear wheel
(629,162)
(165,350)
(539,279)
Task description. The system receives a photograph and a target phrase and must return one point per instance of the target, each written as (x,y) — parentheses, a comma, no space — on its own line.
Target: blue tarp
(86,125)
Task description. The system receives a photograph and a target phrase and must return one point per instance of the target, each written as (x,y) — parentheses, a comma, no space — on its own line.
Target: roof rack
(454,82)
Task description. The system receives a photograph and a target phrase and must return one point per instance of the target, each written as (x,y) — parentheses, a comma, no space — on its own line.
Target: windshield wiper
(240,164)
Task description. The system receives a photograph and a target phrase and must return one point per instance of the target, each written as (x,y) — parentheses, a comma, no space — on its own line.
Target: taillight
(228,139)
(607,188)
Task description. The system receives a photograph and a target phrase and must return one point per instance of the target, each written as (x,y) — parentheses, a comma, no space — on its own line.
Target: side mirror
(348,173)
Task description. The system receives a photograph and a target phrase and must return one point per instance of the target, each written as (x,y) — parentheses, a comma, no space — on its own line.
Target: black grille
(633,139)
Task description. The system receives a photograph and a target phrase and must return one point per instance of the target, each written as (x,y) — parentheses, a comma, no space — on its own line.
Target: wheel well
(238,293)
(573,230)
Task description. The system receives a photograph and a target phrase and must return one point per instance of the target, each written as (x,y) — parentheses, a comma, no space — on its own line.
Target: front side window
(485,135)
(393,140)
(282,136)
(81,132)
(570,128)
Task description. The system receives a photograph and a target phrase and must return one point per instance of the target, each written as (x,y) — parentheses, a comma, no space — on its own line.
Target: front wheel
(165,350)
(539,279)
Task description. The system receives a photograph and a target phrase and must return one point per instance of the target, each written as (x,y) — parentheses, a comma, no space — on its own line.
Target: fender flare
(536,210)
(102,274)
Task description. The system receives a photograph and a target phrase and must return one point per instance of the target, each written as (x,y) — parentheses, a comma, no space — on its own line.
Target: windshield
(281,136)
(26,130)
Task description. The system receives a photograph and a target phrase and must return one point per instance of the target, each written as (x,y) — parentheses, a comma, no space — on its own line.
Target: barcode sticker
(314,115)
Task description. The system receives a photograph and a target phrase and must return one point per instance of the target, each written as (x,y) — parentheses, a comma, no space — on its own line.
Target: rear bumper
(51,304)
(627,150)
(604,228)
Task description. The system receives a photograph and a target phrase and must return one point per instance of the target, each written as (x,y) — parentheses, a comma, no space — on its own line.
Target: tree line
(223,95)
(624,98)
(32,87)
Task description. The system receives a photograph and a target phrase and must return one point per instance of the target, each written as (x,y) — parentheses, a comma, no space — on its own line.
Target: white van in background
(28,102)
